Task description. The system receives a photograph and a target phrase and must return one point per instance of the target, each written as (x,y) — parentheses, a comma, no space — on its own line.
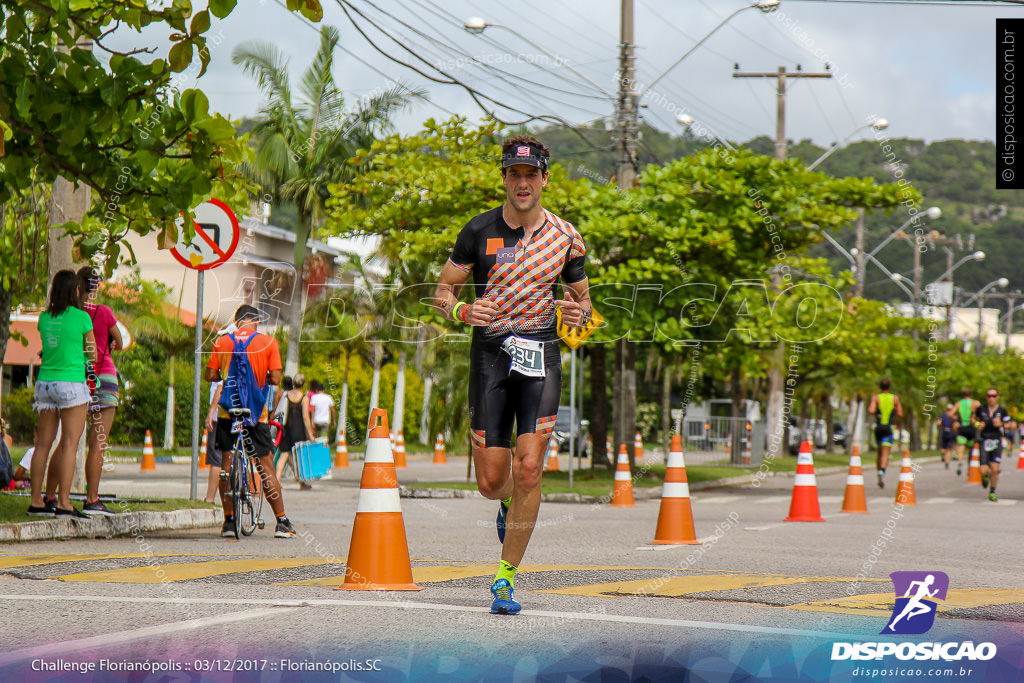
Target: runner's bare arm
(873,405)
(446,296)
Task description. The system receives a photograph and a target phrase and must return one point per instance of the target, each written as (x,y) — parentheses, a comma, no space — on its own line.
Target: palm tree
(304,141)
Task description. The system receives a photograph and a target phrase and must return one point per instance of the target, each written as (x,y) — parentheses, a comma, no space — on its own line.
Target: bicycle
(245,486)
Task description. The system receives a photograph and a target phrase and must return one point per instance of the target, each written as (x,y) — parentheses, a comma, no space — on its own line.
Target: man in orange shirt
(265,359)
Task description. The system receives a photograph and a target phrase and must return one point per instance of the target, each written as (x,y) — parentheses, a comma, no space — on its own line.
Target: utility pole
(626,111)
(627,131)
(780,93)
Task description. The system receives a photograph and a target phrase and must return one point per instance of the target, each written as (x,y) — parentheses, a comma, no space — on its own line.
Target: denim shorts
(58,395)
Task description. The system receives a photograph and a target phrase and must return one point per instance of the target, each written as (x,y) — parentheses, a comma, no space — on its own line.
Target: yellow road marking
(193,570)
(448,572)
(882,603)
(675,586)
(7,561)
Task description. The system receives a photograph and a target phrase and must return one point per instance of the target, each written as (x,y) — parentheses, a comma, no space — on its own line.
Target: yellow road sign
(575,336)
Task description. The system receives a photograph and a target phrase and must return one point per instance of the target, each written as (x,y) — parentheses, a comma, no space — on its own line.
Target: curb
(122,524)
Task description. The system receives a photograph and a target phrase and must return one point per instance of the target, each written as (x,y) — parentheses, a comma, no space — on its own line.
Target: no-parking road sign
(215,240)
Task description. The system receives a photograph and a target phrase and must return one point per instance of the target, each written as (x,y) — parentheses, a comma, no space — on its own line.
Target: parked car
(564,428)
(795,436)
(839,434)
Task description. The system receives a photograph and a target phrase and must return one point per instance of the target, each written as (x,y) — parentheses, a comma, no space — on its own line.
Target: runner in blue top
(947,425)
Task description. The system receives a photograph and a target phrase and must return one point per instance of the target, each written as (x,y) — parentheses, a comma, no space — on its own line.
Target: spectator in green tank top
(62,394)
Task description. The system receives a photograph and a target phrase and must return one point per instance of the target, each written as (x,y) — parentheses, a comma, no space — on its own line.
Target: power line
(475,94)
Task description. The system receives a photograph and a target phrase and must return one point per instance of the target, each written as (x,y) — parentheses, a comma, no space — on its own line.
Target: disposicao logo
(914,612)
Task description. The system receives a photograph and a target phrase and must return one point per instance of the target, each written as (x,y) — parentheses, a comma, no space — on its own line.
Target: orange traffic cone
(341,451)
(905,489)
(439,457)
(1020,456)
(551,456)
(609,450)
(804,506)
(378,554)
(622,492)
(149,457)
(638,448)
(748,447)
(974,470)
(855,499)
(203,465)
(400,450)
(675,518)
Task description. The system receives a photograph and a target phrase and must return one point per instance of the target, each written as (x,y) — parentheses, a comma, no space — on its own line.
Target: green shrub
(21,419)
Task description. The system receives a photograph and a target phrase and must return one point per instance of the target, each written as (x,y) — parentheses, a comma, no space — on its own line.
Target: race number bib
(990,445)
(527,356)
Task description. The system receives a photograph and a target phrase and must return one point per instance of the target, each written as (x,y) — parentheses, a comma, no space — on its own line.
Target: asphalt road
(760,597)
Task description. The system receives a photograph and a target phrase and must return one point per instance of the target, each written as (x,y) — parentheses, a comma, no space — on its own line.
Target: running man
(886,408)
(947,432)
(516,254)
(915,606)
(966,433)
(265,360)
(990,419)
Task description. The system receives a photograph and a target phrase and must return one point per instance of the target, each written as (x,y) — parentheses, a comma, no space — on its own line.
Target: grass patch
(599,482)
(13,508)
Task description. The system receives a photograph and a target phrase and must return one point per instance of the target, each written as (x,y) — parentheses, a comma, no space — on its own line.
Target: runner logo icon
(916,592)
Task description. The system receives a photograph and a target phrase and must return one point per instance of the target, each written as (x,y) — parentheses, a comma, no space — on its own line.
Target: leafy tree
(147,147)
(304,140)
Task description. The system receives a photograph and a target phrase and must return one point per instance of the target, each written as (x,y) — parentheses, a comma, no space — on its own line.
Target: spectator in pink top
(105,399)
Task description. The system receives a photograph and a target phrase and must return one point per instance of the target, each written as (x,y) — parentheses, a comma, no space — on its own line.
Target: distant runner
(991,418)
(886,408)
(966,433)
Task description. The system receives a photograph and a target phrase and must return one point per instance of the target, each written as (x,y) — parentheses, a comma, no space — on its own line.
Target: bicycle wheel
(256,492)
(245,522)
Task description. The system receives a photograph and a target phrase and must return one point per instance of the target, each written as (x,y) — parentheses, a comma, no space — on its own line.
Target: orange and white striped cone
(804,505)
(341,451)
(609,450)
(638,448)
(1020,456)
(551,456)
(149,457)
(974,469)
(378,554)
(855,498)
(590,445)
(400,451)
(203,465)
(905,489)
(622,491)
(748,447)
(439,456)
(675,518)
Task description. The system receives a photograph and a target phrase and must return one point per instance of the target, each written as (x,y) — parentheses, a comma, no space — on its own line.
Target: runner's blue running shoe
(500,522)
(503,602)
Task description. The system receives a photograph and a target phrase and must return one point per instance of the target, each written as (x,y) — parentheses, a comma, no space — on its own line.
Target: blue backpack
(241,390)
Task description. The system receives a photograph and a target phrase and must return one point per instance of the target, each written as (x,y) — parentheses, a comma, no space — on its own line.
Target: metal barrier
(723,441)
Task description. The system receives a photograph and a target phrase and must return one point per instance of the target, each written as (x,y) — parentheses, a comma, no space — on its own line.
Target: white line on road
(291,605)
(121,637)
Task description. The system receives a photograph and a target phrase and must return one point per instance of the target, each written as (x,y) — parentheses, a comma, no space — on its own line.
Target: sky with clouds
(929,69)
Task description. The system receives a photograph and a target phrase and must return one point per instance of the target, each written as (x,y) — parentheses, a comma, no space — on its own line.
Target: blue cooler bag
(312,459)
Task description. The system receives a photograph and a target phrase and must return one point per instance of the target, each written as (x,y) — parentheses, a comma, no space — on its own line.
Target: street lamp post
(687,120)
(1001,282)
(477,25)
(763,5)
(1009,324)
(976,256)
(877,124)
